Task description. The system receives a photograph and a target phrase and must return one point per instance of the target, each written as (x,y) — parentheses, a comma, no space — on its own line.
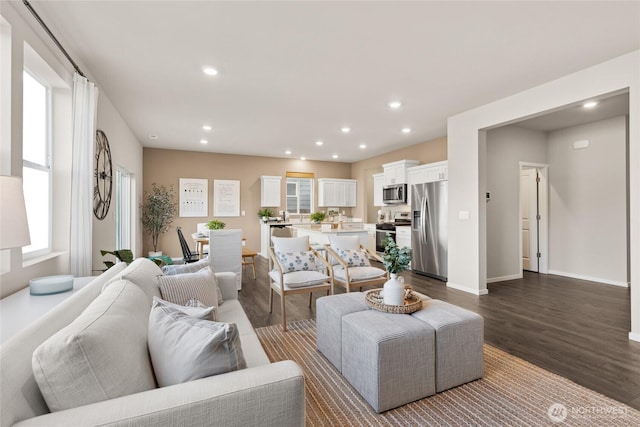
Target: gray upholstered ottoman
(329,312)
(388,358)
(458,345)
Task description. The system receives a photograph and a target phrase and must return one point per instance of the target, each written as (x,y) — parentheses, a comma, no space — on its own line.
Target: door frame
(543,209)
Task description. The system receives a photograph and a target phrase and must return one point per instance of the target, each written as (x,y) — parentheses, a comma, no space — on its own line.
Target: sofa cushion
(180,288)
(101,355)
(299,279)
(142,272)
(184,348)
(357,274)
(192,267)
(194,308)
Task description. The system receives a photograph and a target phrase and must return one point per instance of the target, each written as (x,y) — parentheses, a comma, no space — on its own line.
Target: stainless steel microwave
(395,194)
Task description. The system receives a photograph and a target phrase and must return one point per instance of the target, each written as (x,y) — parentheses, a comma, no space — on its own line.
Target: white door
(529,211)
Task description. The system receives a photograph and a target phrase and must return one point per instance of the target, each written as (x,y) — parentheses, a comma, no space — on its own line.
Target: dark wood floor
(573,328)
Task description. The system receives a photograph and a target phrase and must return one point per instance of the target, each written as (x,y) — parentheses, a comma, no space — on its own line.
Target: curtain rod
(55,40)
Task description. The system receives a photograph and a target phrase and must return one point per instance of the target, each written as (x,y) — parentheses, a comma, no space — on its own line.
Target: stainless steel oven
(382,231)
(394,194)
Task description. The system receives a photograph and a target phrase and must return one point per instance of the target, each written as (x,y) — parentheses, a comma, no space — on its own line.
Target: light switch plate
(463,215)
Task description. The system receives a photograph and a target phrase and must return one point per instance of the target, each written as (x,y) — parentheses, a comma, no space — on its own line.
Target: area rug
(512,392)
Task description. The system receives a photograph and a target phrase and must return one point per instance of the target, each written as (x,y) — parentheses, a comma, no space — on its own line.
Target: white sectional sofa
(264,394)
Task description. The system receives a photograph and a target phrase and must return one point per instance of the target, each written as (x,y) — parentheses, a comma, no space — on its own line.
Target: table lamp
(14,230)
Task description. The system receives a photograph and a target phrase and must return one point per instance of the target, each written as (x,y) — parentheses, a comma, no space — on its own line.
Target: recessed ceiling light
(210,71)
(153,136)
(345,129)
(204,141)
(590,104)
(206,127)
(363,145)
(406,130)
(319,143)
(288,152)
(303,158)
(335,156)
(395,104)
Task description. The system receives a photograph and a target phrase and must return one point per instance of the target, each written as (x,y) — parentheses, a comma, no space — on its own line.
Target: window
(36,163)
(299,195)
(123,209)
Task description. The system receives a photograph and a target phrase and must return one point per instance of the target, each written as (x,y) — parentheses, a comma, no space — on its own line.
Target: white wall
(588,202)
(467,166)
(506,147)
(126,150)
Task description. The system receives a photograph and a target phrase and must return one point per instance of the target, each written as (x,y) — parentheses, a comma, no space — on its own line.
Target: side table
(20,309)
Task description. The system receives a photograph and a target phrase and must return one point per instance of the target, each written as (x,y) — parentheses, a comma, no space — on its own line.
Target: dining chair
(187,255)
(225,252)
(297,269)
(350,265)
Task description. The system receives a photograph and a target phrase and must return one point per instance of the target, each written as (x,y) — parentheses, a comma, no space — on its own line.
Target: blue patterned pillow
(354,258)
(297,261)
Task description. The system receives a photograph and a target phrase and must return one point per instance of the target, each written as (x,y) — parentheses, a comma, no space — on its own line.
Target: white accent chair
(295,271)
(350,267)
(225,252)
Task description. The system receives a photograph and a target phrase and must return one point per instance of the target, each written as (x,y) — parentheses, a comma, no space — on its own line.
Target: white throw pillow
(184,348)
(297,261)
(101,355)
(180,288)
(194,308)
(192,267)
(299,279)
(354,258)
(357,274)
(351,243)
(142,272)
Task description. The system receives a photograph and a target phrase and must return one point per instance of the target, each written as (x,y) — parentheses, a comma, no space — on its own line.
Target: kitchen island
(319,237)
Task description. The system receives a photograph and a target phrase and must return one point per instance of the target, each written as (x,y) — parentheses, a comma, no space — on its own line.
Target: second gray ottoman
(459,342)
(388,358)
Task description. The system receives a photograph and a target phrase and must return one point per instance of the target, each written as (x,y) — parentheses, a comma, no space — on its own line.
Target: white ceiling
(291,73)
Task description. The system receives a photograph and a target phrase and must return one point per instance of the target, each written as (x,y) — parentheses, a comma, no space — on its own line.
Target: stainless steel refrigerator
(429,229)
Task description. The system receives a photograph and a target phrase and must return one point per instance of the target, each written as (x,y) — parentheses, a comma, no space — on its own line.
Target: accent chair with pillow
(350,265)
(296,269)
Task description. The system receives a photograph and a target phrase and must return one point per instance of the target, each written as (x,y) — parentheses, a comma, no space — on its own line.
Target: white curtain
(85,101)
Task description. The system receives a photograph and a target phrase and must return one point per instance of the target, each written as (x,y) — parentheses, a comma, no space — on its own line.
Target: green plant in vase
(395,259)
(317,217)
(157,211)
(215,224)
(265,214)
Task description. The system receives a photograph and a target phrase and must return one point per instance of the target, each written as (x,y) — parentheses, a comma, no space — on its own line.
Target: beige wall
(166,167)
(426,152)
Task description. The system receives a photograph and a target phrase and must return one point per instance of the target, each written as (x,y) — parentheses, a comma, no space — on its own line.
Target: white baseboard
(504,278)
(467,289)
(590,279)
(634,337)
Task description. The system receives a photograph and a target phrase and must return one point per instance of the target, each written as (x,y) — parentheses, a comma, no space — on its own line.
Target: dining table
(201,240)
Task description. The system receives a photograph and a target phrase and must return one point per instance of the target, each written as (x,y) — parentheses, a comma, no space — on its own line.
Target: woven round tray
(412,302)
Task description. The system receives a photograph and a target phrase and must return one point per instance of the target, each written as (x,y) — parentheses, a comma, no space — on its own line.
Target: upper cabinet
(270,191)
(333,192)
(396,172)
(378,184)
(431,172)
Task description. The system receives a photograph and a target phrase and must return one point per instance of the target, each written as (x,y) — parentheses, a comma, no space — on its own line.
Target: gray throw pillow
(180,288)
(193,308)
(184,348)
(170,270)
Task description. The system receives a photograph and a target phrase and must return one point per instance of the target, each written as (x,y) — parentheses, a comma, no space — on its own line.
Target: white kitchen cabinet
(378,184)
(371,237)
(396,172)
(270,191)
(431,172)
(333,192)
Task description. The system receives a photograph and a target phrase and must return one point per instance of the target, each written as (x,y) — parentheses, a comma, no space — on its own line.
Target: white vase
(393,291)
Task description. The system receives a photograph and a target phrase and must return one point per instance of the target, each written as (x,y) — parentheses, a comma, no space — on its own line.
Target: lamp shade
(14,230)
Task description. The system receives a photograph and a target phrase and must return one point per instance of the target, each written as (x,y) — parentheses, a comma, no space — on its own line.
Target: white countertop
(317,229)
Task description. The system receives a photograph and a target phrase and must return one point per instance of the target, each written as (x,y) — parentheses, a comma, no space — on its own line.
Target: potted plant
(122,255)
(215,224)
(317,217)
(265,214)
(395,260)
(156,213)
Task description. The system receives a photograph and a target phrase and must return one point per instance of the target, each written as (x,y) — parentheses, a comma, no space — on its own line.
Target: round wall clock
(102,176)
